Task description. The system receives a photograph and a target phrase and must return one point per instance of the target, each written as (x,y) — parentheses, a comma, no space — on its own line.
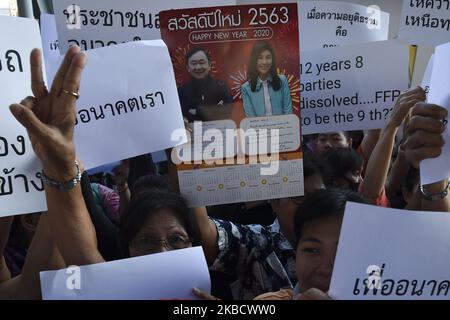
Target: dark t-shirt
(205,92)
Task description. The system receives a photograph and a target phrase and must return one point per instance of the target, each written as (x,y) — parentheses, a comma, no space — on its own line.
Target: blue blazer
(254,101)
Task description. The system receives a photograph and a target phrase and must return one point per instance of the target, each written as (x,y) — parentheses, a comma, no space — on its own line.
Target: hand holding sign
(404,103)
(313,294)
(425,133)
(49,117)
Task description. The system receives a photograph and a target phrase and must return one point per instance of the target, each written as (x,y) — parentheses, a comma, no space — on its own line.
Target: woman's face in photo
(198,65)
(264,63)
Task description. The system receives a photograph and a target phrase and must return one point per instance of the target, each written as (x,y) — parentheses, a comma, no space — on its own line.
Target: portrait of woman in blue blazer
(265,93)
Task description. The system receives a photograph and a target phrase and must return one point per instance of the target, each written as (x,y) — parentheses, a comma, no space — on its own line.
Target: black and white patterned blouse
(260,257)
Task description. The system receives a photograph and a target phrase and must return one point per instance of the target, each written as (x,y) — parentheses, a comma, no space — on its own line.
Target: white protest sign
(161,276)
(324,24)
(422,57)
(93,24)
(433,170)
(427,75)
(392,254)
(332,24)
(352,87)
(128,103)
(50,44)
(20,178)
(425,22)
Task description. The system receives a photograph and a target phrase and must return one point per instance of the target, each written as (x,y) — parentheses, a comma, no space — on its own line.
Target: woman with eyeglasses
(156,221)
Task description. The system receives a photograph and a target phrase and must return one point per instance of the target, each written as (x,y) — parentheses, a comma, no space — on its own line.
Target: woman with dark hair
(157,221)
(266,92)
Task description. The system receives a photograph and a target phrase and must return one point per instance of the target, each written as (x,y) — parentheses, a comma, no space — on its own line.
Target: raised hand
(313,294)
(425,130)
(49,117)
(404,104)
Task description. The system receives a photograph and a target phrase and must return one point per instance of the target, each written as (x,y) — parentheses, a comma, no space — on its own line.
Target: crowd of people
(275,249)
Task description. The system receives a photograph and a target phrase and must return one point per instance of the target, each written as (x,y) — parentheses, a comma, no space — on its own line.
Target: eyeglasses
(172,242)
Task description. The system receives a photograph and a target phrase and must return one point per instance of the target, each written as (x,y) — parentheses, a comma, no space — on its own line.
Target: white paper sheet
(425,22)
(407,253)
(433,170)
(427,75)
(352,87)
(423,54)
(326,24)
(94,24)
(20,183)
(50,44)
(128,103)
(163,276)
